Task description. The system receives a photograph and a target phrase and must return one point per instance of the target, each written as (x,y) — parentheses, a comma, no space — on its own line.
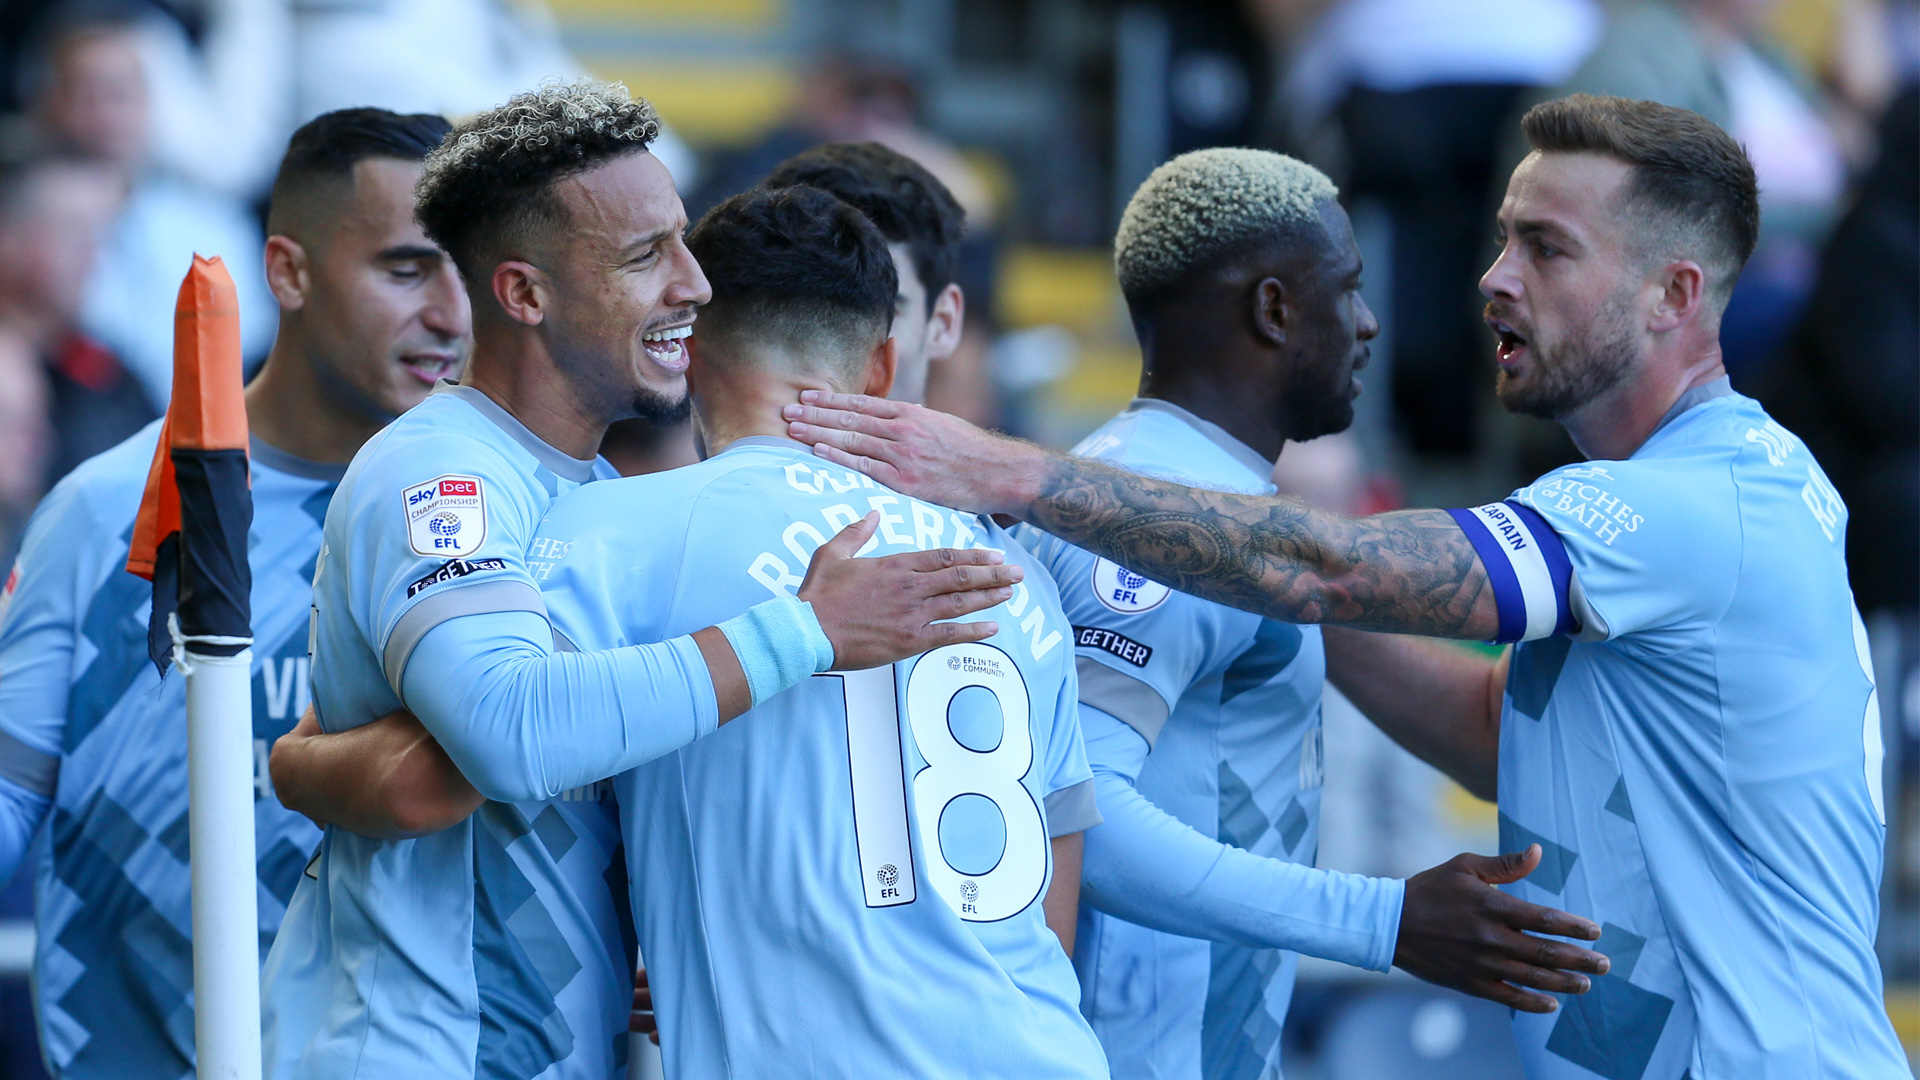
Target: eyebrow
(407,252)
(648,240)
(1536,227)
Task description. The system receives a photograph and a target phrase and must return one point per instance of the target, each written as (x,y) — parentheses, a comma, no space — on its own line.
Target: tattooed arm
(1412,571)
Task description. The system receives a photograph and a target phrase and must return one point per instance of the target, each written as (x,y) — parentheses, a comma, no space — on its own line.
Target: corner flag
(190,540)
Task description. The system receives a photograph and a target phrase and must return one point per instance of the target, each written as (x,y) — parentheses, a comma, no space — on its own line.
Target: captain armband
(1527,566)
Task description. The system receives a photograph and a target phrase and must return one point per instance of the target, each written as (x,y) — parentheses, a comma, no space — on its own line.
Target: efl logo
(1124,591)
(447,516)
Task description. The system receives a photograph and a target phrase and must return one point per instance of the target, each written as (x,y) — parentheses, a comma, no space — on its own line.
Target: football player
(498,943)
(856,877)
(91,743)
(1203,722)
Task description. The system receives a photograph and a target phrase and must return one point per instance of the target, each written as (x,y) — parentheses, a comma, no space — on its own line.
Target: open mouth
(1510,344)
(668,348)
(430,368)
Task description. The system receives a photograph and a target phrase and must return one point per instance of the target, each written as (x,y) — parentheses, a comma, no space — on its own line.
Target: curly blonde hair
(1208,206)
(490,181)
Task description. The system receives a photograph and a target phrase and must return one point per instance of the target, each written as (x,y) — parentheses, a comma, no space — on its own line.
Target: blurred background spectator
(88,92)
(65,397)
(135,132)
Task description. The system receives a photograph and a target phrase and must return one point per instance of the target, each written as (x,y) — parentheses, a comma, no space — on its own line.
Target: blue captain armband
(779,643)
(1528,567)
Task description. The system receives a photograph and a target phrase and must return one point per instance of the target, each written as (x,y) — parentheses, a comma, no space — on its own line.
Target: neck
(512,365)
(1619,422)
(739,404)
(1218,397)
(289,409)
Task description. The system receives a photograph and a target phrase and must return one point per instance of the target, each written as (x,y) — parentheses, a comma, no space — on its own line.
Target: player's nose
(689,284)
(1366,326)
(1502,279)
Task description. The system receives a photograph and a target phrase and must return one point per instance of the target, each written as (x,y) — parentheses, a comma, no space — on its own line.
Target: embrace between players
(851,835)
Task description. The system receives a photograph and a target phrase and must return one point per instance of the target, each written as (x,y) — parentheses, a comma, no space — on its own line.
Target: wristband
(778,643)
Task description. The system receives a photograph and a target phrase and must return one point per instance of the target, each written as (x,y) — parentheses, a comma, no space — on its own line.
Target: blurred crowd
(136,132)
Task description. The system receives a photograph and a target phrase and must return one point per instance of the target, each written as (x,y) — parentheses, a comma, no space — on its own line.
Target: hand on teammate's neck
(745,405)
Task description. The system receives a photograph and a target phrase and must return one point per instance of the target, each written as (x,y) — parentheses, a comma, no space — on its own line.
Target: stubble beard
(1572,377)
(655,407)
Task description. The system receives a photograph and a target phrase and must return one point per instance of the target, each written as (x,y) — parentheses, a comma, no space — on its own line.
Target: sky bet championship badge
(1125,591)
(447,516)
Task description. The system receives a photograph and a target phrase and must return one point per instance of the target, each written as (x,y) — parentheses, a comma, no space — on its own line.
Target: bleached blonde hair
(491,176)
(1208,205)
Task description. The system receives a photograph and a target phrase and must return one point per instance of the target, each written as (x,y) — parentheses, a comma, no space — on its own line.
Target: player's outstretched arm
(1458,931)
(389,779)
(1438,700)
(1407,572)
(522,721)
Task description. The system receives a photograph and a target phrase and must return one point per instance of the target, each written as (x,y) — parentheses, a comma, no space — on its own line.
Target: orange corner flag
(208,410)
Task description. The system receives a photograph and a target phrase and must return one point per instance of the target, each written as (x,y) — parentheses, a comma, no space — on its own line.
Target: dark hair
(327,147)
(799,268)
(909,204)
(491,181)
(1692,185)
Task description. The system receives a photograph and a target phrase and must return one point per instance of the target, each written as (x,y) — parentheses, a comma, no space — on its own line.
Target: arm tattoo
(1411,572)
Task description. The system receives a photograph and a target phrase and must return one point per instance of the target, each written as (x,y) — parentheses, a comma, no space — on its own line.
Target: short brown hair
(1692,188)
(490,181)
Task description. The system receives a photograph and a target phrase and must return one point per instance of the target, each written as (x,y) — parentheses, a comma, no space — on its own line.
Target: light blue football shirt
(846,880)
(92,733)
(500,948)
(1203,730)
(1700,761)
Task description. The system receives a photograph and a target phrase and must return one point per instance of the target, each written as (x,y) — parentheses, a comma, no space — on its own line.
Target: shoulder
(1641,501)
(632,506)
(440,439)
(105,490)
(1153,443)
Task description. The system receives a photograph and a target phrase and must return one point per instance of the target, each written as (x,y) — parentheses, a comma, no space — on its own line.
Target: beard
(657,408)
(1328,414)
(1573,376)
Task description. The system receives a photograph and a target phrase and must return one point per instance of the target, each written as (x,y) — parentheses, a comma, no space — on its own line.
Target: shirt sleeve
(525,722)
(451,543)
(1072,805)
(1146,866)
(1651,548)
(62,562)
(465,641)
(1138,644)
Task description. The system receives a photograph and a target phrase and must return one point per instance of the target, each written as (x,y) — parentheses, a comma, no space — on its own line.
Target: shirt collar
(777,442)
(280,461)
(1699,395)
(1246,455)
(565,466)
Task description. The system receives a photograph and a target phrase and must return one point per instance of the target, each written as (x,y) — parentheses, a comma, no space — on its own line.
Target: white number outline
(878,782)
(954,769)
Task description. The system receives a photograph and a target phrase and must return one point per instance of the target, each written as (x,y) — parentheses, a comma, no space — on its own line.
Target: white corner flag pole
(226,915)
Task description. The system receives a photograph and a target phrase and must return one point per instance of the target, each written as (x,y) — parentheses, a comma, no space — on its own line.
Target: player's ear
(520,290)
(287,273)
(1683,290)
(882,366)
(1270,312)
(945,320)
